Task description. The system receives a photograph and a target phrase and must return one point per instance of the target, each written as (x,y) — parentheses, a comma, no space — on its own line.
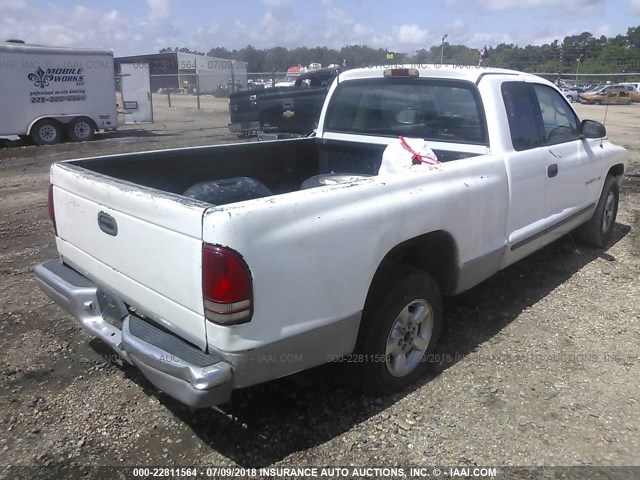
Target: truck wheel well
(616,170)
(434,253)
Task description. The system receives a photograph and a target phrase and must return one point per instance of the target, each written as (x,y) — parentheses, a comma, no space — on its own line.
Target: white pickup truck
(220,267)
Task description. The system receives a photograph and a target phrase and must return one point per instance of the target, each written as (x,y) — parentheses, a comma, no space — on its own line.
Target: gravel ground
(538,366)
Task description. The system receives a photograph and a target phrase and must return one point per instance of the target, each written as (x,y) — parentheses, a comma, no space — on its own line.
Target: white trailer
(48,93)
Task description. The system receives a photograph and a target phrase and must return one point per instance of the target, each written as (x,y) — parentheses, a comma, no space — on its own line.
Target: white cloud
(456,28)
(87,26)
(340,29)
(12,5)
(497,5)
(573,7)
(277,3)
(481,39)
(338,16)
(410,34)
(283,24)
(160,9)
(207,32)
(360,30)
(603,30)
(277,27)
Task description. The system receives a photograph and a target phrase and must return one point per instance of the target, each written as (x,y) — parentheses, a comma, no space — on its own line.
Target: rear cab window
(436,110)
(521,105)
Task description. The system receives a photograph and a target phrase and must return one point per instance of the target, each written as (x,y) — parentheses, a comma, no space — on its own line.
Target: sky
(145,26)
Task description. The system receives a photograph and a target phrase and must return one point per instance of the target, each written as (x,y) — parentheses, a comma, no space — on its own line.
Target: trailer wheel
(46,132)
(81,129)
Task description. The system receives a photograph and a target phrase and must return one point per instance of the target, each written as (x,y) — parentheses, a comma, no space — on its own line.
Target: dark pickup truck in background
(293,109)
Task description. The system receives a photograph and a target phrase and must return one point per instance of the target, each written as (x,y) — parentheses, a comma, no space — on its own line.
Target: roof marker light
(401,72)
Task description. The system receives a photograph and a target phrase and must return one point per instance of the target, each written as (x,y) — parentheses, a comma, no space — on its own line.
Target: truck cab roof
(470,73)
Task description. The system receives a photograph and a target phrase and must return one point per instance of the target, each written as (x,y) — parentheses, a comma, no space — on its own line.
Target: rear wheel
(46,132)
(81,129)
(597,231)
(401,326)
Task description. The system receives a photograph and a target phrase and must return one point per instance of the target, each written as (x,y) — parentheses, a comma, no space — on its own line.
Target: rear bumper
(242,127)
(267,136)
(179,369)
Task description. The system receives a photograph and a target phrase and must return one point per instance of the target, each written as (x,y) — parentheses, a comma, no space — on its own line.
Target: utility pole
(195,59)
(578,60)
(442,48)
(233,78)
(560,61)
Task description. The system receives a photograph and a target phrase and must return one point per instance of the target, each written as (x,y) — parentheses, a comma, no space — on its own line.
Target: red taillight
(226,286)
(52,211)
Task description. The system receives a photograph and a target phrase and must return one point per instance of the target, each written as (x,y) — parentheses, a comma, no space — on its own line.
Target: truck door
(572,172)
(135,83)
(526,163)
(549,169)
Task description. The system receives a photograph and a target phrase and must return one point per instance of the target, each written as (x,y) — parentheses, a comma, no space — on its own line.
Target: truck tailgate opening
(142,244)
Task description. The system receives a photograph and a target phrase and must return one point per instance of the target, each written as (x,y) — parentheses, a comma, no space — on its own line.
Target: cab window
(521,106)
(559,120)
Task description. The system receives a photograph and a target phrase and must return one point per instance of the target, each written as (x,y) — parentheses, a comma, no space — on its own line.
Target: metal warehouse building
(188,72)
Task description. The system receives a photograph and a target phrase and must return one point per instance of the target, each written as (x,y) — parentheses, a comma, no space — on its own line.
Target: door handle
(107,224)
(552,170)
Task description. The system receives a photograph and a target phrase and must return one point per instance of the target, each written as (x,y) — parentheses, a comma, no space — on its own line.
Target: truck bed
(282,166)
(152,208)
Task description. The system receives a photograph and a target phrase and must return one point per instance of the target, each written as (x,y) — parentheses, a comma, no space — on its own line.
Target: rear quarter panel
(313,253)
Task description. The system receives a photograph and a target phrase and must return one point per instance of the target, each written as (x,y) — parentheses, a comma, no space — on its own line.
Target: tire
(81,129)
(46,132)
(403,315)
(597,230)
(331,179)
(570,98)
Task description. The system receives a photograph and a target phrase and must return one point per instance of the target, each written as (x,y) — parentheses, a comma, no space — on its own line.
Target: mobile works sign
(41,79)
(69,77)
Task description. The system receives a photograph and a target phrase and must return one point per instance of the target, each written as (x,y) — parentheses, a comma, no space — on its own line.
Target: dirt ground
(539,364)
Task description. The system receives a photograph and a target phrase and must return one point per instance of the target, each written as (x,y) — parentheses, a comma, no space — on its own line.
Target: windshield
(439,110)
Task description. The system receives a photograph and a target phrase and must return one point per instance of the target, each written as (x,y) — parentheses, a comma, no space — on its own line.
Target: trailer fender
(63,119)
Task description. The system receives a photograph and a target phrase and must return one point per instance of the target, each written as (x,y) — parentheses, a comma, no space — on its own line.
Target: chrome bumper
(179,369)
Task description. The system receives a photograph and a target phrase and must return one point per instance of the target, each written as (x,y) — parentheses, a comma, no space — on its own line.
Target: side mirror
(592,129)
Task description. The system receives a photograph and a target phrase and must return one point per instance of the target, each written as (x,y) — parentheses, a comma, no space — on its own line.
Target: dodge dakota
(219,267)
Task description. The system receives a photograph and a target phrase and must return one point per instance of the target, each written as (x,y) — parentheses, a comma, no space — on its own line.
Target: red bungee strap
(416,156)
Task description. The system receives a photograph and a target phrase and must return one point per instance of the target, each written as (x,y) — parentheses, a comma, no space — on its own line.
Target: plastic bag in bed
(405,155)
